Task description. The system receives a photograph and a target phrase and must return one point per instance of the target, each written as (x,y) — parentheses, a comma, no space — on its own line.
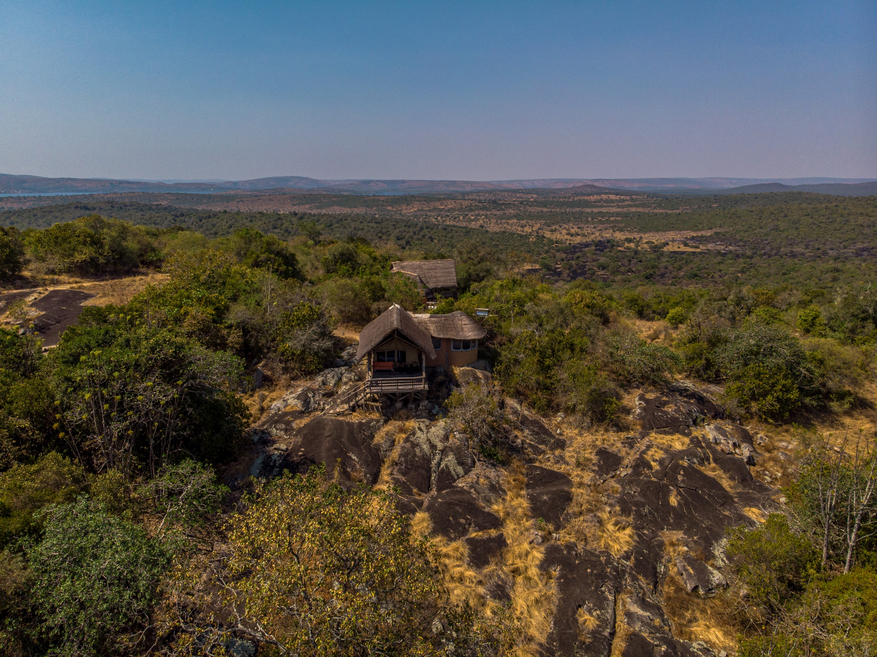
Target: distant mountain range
(12,184)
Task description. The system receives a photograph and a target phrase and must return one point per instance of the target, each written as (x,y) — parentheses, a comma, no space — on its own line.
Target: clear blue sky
(464,90)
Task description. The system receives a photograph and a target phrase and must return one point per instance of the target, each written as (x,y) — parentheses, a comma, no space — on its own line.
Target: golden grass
(615,534)
(421,525)
(534,594)
(622,631)
(464,583)
(758,515)
(695,618)
(117,291)
(714,471)
(397,431)
(587,622)
(259,401)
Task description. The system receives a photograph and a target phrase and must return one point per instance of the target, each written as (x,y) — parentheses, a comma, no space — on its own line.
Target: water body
(25,194)
(45,194)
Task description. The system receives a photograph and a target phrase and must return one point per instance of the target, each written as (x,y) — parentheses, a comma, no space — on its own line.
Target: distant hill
(836,189)
(14,184)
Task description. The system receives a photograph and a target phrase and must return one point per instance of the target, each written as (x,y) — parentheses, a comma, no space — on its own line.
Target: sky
(472,90)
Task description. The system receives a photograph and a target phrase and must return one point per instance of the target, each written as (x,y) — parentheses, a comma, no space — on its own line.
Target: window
(464,345)
(436,343)
(392,356)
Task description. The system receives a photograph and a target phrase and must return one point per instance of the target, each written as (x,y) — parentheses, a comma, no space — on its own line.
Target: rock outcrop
(616,524)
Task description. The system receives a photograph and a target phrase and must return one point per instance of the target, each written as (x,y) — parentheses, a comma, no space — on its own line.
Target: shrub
(811,322)
(773,563)
(676,317)
(312,569)
(129,396)
(475,409)
(91,245)
(26,489)
(11,253)
(587,393)
(94,578)
(766,392)
(632,361)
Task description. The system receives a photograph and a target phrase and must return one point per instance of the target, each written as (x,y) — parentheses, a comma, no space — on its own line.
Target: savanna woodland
(667,445)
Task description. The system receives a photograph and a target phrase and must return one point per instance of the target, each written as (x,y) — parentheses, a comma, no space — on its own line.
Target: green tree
(311,569)
(94,577)
(27,489)
(11,253)
(773,565)
(130,395)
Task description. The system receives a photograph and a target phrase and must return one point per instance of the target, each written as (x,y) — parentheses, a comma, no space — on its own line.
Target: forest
(122,532)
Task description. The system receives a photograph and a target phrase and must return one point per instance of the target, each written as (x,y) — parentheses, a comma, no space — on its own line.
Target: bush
(765,392)
(26,489)
(772,563)
(476,410)
(129,396)
(676,317)
(11,253)
(316,570)
(94,579)
(588,394)
(811,322)
(91,245)
(632,361)
(255,250)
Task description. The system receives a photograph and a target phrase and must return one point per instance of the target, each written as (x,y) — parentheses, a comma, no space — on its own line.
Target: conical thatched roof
(454,326)
(431,273)
(394,319)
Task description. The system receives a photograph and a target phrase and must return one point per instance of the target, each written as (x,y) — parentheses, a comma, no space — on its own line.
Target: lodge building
(398,347)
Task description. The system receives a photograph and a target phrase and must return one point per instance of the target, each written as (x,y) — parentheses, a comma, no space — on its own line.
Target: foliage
(477,411)
(772,563)
(91,245)
(11,253)
(632,361)
(767,392)
(257,251)
(811,322)
(312,569)
(94,577)
(25,399)
(185,495)
(835,496)
(131,395)
(304,338)
(26,489)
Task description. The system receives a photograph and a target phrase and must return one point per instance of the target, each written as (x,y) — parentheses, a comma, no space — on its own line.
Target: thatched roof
(433,274)
(455,326)
(394,320)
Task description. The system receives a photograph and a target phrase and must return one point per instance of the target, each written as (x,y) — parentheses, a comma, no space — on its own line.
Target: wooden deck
(384,384)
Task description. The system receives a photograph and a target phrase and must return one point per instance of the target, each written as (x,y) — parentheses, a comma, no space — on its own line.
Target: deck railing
(397,384)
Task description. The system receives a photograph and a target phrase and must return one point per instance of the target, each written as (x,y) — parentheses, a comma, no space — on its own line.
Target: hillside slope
(602,543)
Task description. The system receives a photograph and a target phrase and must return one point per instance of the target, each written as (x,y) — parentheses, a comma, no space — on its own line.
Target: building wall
(446,357)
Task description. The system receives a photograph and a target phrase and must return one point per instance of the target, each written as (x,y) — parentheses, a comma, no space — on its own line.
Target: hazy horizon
(212,91)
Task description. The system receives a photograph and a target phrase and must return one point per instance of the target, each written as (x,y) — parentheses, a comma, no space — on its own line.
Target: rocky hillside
(602,542)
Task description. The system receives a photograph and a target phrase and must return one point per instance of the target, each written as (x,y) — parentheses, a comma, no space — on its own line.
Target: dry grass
(117,291)
(758,515)
(259,401)
(587,622)
(396,431)
(622,631)
(464,583)
(694,618)
(615,534)
(534,595)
